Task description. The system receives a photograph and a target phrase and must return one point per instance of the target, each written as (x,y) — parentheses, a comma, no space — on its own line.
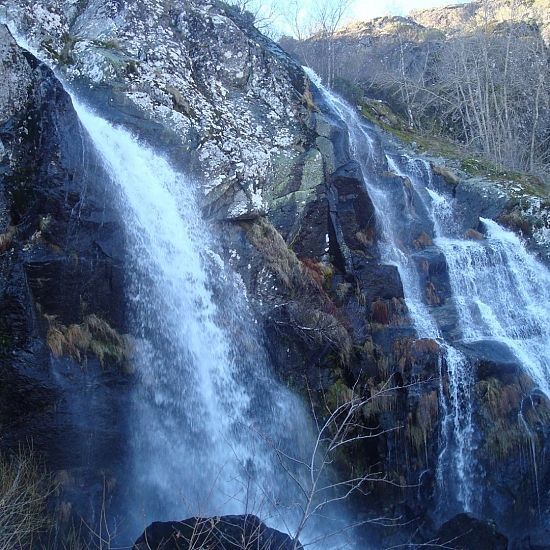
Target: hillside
(477,74)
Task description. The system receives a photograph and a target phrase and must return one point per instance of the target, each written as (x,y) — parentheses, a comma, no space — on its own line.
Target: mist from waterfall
(206,395)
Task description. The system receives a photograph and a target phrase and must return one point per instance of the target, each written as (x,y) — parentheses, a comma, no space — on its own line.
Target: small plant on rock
(94,335)
(24,490)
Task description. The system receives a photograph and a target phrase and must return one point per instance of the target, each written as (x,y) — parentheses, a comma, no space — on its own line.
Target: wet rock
(217,533)
(476,198)
(422,241)
(64,259)
(467,532)
(492,358)
(473,235)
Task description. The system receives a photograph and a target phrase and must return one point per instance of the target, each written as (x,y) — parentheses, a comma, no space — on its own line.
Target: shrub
(24,490)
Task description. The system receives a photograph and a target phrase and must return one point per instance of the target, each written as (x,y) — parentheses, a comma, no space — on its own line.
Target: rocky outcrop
(232,98)
(61,263)
(16,76)
(454,18)
(467,532)
(218,533)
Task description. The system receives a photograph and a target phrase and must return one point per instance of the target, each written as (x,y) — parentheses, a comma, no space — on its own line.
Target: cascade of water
(391,246)
(501,293)
(213,432)
(456,455)
(456,461)
(203,373)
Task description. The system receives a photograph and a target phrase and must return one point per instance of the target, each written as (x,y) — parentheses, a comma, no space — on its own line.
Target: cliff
(274,175)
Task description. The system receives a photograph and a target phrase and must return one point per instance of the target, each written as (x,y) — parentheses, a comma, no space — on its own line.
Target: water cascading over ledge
(368,295)
(201,367)
(212,433)
(485,303)
(494,317)
(157,338)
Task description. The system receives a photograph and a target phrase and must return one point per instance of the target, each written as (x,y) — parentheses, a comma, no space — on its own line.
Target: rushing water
(501,295)
(398,213)
(204,376)
(212,432)
(500,291)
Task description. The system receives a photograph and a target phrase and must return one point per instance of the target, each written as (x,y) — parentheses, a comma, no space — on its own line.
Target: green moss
(516,185)
(381,114)
(338,394)
(479,167)
(510,416)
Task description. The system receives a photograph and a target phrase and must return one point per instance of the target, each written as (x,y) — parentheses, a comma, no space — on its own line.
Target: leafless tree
(340,425)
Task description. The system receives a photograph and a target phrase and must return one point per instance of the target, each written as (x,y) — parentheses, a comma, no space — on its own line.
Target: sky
(363,10)
(280,16)
(360,10)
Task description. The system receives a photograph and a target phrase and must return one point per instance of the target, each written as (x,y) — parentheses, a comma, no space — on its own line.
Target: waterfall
(503,294)
(205,386)
(500,292)
(211,431)
(397,216)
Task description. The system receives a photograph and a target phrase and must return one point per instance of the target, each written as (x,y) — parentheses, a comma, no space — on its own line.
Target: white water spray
(203,374)
(503,294)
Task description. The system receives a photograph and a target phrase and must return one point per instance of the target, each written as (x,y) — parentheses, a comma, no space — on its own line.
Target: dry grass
(278,258)
(382,399)
(94,335)
(24,490)
(380,313)
(309,311)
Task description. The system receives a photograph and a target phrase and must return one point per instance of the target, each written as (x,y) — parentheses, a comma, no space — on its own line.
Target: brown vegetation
(94,335)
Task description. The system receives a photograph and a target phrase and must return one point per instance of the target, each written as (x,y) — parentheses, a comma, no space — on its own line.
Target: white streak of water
(503,293)
(203,373)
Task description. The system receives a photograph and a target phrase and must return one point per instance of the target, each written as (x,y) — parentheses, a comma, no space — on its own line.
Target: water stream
(204,377)
(399,215)
(500,292)
(206,388)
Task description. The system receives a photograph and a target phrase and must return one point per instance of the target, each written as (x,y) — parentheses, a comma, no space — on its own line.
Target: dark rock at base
(538,541)
(216,533)
(467,532)
(492,358)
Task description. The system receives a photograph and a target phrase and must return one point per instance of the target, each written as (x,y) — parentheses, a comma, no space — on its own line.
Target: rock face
(61,264)
(467,532)
(218,533)
(16,76)
(272,166)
